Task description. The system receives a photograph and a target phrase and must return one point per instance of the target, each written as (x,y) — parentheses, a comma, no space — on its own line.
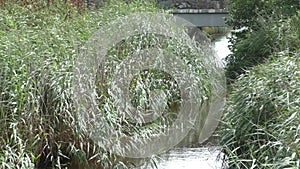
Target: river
(221,47)
(205,157)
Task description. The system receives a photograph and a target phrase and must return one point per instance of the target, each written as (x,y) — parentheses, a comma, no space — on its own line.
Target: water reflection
(206,157)
(221,47)
(192,158)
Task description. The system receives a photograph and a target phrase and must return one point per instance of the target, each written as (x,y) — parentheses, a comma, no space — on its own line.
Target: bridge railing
(199,11)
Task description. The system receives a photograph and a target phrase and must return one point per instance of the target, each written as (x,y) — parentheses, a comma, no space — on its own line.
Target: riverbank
(260,127)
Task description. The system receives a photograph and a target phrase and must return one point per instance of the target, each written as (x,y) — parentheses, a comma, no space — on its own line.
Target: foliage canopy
(260,27)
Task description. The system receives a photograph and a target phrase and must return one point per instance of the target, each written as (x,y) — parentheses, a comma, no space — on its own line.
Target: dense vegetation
(40,42)
(262,116)
(261,120)
(261,28)
(38,46)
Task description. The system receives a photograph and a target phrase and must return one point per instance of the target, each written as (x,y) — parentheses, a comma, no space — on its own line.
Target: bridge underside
(204,19)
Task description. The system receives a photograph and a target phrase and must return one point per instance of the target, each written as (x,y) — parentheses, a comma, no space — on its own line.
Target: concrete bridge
(201,13)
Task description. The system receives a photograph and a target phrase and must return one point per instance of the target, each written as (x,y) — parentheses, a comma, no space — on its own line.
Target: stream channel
(207,156)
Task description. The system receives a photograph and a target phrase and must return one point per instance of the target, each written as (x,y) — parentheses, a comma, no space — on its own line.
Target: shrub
(261,27)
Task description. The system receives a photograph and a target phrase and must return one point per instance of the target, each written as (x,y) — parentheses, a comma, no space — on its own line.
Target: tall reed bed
(38,47)
(261,120)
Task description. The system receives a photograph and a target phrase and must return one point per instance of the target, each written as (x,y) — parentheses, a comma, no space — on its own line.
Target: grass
(261,121)
(261,118)
(39,44)
(38,47)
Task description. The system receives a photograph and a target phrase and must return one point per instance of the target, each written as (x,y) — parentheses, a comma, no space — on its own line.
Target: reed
(38,47)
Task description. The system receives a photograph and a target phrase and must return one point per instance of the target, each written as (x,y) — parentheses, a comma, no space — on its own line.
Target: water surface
(192,158)
(205,157)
